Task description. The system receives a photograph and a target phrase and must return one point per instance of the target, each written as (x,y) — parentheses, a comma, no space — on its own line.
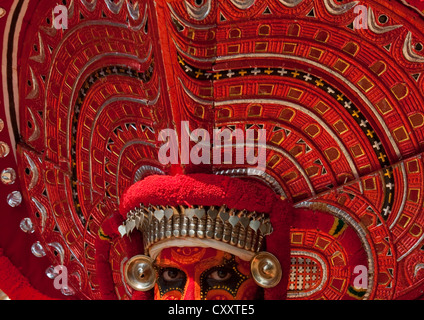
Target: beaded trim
(239,228)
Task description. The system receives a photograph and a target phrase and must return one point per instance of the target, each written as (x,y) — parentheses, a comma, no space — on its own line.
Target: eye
(173,274)
(221,274)
(170,279)
(222,277)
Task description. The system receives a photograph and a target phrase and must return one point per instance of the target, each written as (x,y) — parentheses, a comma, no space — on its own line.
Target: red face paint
(193,273)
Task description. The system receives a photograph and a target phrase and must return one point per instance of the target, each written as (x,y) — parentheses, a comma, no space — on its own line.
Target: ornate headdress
(230,214)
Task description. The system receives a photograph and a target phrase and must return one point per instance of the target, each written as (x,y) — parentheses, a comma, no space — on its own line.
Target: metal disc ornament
(140,274)
(266,270)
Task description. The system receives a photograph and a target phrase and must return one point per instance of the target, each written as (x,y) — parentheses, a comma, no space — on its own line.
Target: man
(207,237)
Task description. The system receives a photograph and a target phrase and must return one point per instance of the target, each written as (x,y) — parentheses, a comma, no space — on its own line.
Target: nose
(192,291)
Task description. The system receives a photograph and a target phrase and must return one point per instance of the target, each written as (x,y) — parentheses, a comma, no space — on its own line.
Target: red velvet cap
(200,189)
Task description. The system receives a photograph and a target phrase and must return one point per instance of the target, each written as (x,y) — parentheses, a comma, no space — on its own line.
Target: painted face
(192,273)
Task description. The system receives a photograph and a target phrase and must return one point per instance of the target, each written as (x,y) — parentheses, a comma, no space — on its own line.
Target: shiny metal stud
(4,149)
(139,273)
(8,176)
(37,250)
(265,269)
(14,199)
(26,225)
(51,273)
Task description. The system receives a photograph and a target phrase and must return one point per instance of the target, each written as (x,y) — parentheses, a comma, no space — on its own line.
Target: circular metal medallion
(266,270)
(139,273)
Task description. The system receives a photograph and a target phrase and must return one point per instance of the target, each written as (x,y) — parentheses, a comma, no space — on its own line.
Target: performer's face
(192,273)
